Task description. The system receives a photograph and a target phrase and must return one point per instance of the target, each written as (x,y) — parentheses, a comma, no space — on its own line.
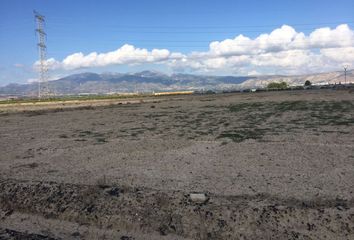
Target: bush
(308,83)
(276,85)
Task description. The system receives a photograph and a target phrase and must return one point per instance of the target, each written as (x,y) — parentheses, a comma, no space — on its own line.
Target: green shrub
(277,85)
(308,83)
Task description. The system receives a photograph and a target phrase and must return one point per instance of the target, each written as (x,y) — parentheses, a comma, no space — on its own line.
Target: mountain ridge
(149,81)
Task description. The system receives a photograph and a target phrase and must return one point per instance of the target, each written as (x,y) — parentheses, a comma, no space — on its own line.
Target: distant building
(173,93)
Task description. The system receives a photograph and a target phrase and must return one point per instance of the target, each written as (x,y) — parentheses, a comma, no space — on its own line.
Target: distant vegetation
(308,83)
(277,85)
(72,98)
(258,119)
(91,97)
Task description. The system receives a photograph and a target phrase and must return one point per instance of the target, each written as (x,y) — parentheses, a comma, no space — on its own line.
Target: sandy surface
(275,165)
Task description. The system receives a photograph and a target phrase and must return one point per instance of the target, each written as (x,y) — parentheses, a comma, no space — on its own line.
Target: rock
(76,234)
(126,238)
(198,197)
(114,191)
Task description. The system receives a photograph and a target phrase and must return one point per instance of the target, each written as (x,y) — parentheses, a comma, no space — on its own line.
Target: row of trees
(284,85)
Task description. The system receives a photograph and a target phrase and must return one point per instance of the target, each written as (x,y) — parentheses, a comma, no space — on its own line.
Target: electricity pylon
(43,89)
(345,73)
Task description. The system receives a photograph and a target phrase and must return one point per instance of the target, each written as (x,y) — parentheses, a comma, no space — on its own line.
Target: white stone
(198,197)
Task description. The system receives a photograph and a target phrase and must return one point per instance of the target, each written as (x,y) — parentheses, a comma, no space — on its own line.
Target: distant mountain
(149,81)
(297,80)
(146,81)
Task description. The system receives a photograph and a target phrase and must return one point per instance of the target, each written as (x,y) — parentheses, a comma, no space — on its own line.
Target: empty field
(274,165)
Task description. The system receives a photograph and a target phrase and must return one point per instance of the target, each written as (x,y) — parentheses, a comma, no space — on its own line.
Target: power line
(119,26)
(189,44)
(211,26)
(192,32)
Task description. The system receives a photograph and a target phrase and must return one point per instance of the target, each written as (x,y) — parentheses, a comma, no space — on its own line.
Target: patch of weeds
(291,106)
(126,238)
(29,165)
(136,133)
(343,132)
(245,106)
(210,106)
(170,107)
(191,137)
(101,140)
(156,115)
(80,140)
(296,121)
(97,134)
(85,135)
(63,136)
(207,100)
(181,117)
(339,106)
(331,118)
(102,182)
(341,121)
(292,128)
(256,118)
(86,132)
(328,131)
(313,113)
(34,113)
(201,133)
(206,113)
(241,135)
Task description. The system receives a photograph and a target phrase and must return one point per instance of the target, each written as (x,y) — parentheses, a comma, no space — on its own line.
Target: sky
(236,37)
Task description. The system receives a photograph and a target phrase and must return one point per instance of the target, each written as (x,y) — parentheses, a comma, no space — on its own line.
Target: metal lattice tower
(43,89)
(345,73)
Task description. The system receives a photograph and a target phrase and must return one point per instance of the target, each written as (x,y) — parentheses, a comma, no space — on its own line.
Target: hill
(149,81)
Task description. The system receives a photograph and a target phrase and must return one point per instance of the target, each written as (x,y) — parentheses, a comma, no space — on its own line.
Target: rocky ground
(273,165)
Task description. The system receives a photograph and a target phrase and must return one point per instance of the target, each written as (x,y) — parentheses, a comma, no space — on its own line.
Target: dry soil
(274,165)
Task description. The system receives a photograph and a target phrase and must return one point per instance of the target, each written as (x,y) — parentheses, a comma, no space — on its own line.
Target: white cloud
(284,49)
(127,54)
(284,39)
(253,73)
(32,80)
(341,36)
(52,78)
(51,64)
(345,54)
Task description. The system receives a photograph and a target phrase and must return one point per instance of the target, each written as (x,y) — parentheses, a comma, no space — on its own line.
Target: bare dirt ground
(274,165)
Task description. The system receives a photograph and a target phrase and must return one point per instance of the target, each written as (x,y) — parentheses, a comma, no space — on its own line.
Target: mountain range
(150,81)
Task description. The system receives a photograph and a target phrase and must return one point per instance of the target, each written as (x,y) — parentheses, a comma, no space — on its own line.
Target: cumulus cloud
(52,78)
(283,48)
(345,54)
(127,54)
(284,39)
(341,36)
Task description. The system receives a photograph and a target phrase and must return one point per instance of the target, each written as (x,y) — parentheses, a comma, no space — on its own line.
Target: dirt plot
(274,165)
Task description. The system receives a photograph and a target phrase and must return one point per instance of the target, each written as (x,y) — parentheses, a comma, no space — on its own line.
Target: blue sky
(179,26)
